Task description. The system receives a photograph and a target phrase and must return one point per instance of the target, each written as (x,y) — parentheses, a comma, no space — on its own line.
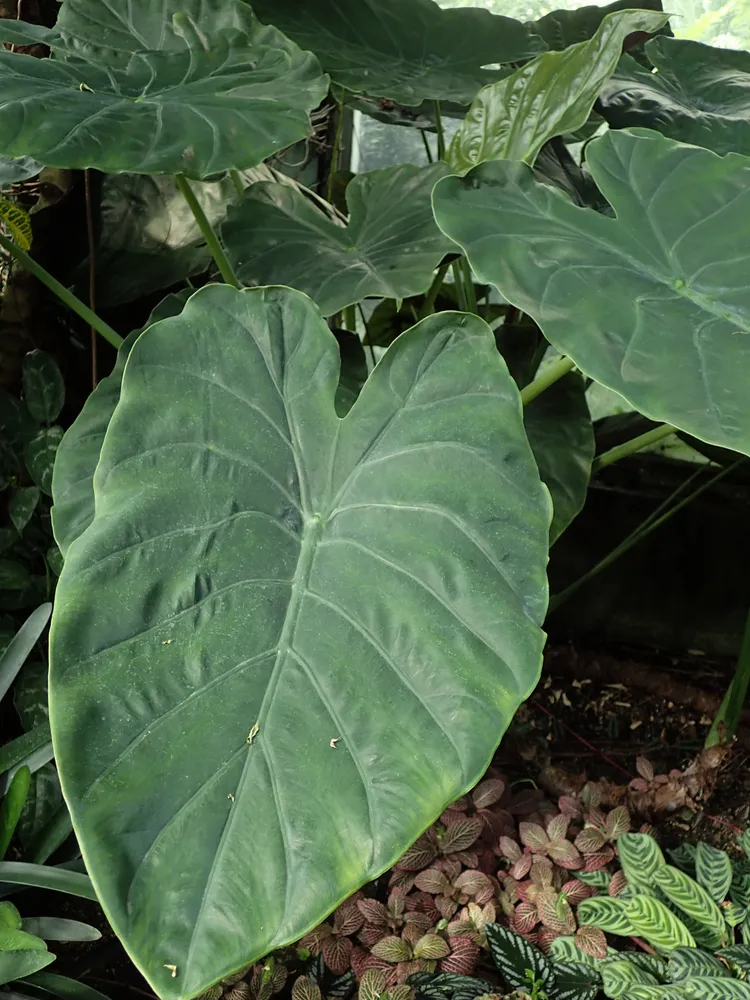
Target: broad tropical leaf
(687,962)
(608,914)
(512,119)
(79,450)
(700,94)
(14,170)
(404,50)
(168,87)
(653,303)
(247,548)
(713,869)
(561,436)
(690,897)
(561,28)
(651,919)
(390,248)
(513,955)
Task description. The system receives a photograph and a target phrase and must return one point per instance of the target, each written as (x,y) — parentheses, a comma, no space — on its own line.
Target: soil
(594,712)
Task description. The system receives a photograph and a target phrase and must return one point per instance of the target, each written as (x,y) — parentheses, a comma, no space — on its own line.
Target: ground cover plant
(302,593)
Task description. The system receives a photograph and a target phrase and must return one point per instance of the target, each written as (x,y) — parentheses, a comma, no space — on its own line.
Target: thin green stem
(642,531)
(336,152)
(239,187)
(439,130)
(546,378)
(428,306)
(458,283)
(426,142)
(631,447)
(64,294)
(469,291)
(212,240)
(350,318)
(727,719)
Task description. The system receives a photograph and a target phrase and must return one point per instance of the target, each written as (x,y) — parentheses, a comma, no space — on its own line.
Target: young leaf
(685,893)
(640,857)
(651,920)
(43,387)
(713,869)
(512,119)
(513,955)
(407,51)
(668,261)
(12,806)
(48,877)
(195,90)
(324,540)
(608,914)
(10,918)
(390,248)
(17,964)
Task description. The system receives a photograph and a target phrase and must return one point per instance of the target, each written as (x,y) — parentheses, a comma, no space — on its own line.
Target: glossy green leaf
(21,506)
(247,548)
(390,247)
(513,955)
(654,303)
(650,919)
(713,869)
(10,918)
(60,929)
(79,450)
(42,802)
(686,962)
(12,939)
(561,436)
(700,94)
(607,913)
(404,50)
(43,387)
(690,897)
(701,988)
(166,87)
(18,750)
(39,455)
(17,964)
(64,987)
(48,877)
(11,807)
(561,28)
(552,94)
(14,655)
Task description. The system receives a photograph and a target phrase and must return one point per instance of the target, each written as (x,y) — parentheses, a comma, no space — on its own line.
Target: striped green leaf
(739,956)
(690,897)
(705,937)
(653,964)
(744,842)
(640,857)
(685,963)
(705,988)
(598,880)
(655,993)
(740,889)
(620,977)
(607,913)
(576,981)
(683,857)
(650,919)
(713,869)
(513,955)
(564,949)
(734,914)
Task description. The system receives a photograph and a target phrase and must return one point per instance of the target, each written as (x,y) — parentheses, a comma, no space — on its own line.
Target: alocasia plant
(286,639)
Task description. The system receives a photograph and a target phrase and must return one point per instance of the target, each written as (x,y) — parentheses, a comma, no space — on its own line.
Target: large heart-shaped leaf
(700,94)
(654,303)
(552,94)
(561,435)
(561,28)
(404,50)
(287,641)
(390,247)
(159,87)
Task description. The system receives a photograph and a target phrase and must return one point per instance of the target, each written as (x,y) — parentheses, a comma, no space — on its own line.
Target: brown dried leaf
(645,768)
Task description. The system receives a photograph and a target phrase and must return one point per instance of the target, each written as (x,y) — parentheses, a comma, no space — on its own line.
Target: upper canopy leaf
(552,94)
(262,578)
(170,87)
(561,28)
(700,94)
(404,50)
(390,247)
(654,303)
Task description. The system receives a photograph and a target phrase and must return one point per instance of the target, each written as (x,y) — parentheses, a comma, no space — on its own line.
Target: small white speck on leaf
(333,742)
(172,969)
(252,734)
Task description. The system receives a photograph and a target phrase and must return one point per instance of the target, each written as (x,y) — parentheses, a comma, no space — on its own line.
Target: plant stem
(428,306)
(458,281)
(350,318)
(212,240)
(630,447)
(439,130)
(336,149)
(239,187)
(545,379)
(727,719)
(427,149)
(64,294)
(643,530)
(469,290)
